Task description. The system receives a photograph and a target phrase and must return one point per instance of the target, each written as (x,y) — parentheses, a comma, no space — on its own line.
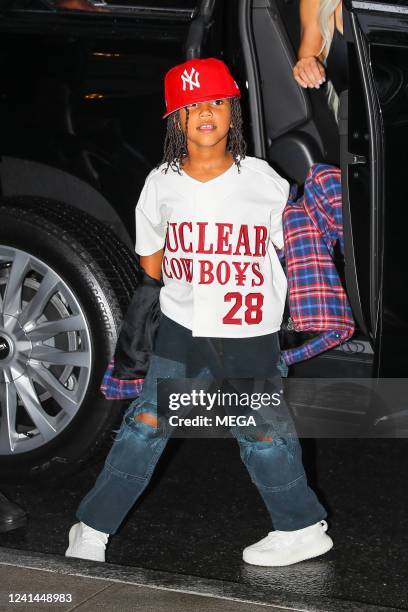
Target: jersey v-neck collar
(210,181)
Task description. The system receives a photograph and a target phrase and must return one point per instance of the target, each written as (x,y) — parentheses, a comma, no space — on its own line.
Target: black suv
(80,115)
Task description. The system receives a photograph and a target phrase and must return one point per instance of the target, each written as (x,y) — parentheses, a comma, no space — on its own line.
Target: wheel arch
(22,177)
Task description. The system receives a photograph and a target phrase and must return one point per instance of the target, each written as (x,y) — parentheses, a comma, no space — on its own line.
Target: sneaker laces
(274,538)
(89,535)
(278,537)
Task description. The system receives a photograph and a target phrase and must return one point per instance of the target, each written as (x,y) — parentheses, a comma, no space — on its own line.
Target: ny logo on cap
(188,79)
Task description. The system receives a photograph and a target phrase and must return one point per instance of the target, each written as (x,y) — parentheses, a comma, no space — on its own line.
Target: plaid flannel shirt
(118,388)
(312,224)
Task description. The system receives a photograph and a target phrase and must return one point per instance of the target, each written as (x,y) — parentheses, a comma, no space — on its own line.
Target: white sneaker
(86,543)
(286,547)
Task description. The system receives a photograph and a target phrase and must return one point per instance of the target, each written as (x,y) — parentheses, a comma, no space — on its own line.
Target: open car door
(374,134)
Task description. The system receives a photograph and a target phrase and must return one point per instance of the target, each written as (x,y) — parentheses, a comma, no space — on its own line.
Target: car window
(182,7)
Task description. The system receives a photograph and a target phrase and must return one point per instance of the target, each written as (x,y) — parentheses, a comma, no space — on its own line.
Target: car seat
(300,127)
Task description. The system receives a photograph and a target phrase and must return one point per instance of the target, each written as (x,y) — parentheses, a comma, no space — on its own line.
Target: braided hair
(175,143)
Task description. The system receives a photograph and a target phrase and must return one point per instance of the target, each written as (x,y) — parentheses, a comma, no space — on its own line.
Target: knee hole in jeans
(147,418)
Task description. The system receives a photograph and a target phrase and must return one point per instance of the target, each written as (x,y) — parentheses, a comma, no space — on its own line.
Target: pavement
(187,533)
(73,584)
(66,589)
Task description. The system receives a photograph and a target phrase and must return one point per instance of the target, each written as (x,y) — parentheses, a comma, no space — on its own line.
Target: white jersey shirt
(222,277)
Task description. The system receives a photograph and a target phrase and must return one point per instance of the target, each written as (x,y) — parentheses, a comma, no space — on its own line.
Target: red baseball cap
(198,80)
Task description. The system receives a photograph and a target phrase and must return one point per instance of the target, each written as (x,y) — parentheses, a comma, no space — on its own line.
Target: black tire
(101,273)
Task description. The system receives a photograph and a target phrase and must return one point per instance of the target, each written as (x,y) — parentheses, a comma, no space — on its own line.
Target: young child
(208,218)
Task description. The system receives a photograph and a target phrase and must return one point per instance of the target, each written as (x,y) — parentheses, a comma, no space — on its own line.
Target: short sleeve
(150,227)
(276,228)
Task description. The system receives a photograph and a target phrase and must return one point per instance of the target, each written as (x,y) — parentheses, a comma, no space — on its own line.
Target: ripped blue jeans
(274,462)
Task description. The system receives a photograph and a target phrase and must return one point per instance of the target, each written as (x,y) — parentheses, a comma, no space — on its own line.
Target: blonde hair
(326,10)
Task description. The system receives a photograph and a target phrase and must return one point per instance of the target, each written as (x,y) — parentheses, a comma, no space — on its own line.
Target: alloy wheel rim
(45,352)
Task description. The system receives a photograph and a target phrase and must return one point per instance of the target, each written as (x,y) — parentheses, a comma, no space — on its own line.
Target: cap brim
(204,99)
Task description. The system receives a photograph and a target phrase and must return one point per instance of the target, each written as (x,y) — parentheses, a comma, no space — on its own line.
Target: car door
(374,133)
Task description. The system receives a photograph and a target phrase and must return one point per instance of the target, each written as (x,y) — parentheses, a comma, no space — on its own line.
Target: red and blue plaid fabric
(312,224)
(117,388)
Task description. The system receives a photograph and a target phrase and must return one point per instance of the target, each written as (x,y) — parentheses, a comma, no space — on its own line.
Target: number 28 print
(253,303)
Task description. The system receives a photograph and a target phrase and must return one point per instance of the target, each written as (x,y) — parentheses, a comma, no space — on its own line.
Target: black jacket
(138,331)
